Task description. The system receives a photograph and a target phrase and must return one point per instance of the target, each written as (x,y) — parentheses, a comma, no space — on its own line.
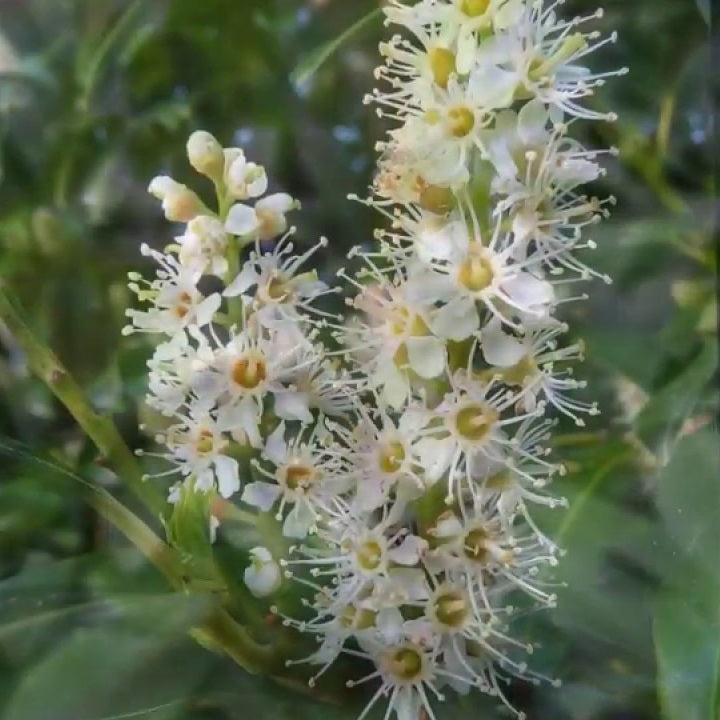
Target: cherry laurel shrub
(399,449)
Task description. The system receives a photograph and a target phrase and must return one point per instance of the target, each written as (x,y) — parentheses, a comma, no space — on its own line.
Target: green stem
(99,428)
(234,305)
(219,631)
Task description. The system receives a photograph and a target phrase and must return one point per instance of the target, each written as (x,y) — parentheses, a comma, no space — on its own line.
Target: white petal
(259,185)
(394,384)
(456,320)
(204,481)
(299,521)
(241,220)
(435,456)
(246,278)
(275,446)
(290,405)
(205,311)
(508,14)
(499,348)
(492,87)
(427,356)
(527,291)
(466,47)
(261,495)
(532,123)
(370,494)
(279,203)
(228,477)
(409,551)
(162,185)
(389,623)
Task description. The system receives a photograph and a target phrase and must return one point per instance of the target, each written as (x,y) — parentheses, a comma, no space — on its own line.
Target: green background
(97,97)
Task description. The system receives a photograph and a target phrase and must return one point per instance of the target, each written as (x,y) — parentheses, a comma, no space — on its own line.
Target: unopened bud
(263,576)
(206,154)
(179,203)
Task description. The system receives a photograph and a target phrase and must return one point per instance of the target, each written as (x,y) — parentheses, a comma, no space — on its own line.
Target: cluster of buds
(404,462)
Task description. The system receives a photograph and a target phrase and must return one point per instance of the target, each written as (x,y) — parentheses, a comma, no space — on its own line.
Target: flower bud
(206,154)
(179,203)
(263,576)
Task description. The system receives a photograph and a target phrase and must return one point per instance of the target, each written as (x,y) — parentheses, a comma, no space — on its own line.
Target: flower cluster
(406,461)
(239,349)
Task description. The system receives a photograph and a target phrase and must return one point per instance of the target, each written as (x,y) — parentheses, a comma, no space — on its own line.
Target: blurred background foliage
(96,97)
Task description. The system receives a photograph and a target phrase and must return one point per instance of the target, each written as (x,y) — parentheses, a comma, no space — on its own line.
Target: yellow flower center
(474,8)
(474,546)
(391,457)
(357,618)
(205,442)
(297,475)
(434,198)
(461,121)
(476,272)
(451,609)
(249,371)
(524,369)
(369,555)
(405,663)
(442,65)
(474,422)
(277,289)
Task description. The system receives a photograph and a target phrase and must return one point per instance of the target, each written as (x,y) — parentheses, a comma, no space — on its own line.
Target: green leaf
(124,665)
(314,61)
(687,645)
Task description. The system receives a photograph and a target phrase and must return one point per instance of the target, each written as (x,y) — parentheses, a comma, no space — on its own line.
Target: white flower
(280,292)
(263,576)
(468,428)
(394,337)
(247,369)
(176,301)
(264,221)
(305,477)
(197,447)
(466,271)
(543,54)
(180,369)
(243,179)
(204,244)
(529,362)
(383,461)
